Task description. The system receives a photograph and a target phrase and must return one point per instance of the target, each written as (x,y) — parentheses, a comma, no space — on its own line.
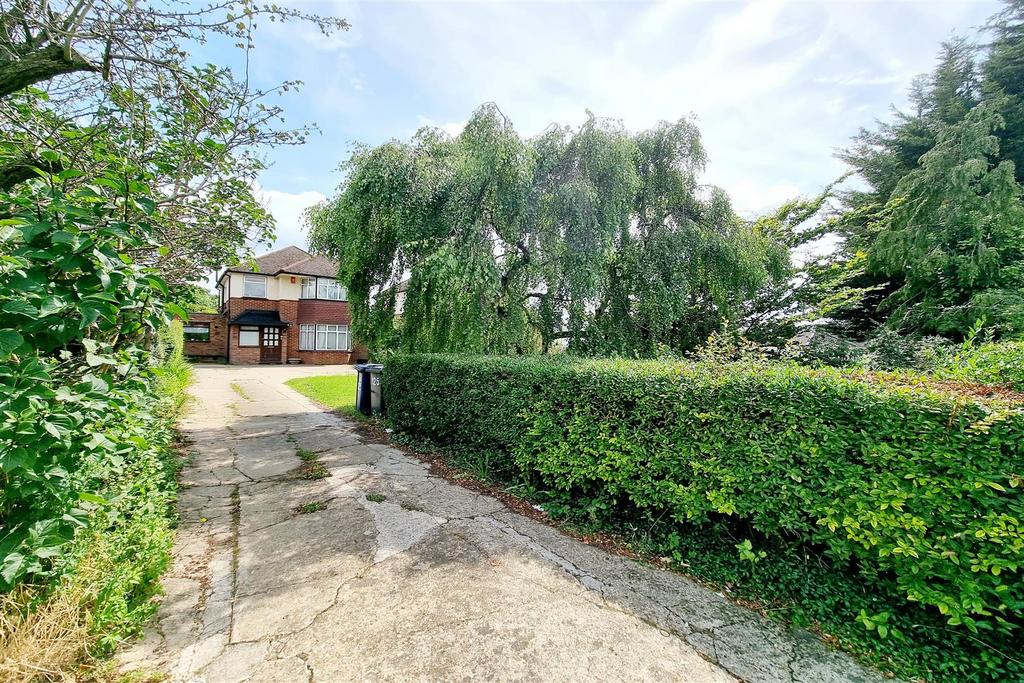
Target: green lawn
(335,392)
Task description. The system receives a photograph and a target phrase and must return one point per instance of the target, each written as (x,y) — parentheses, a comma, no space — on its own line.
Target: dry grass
(237,388)
(47,643)
(48,638)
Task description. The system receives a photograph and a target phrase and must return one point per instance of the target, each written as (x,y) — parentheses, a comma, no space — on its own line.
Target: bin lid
(373,367)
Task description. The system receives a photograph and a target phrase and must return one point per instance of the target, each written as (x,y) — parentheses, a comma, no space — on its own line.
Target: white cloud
(864,80)
(776,85)
(753,197)
(452,128)
(287,208)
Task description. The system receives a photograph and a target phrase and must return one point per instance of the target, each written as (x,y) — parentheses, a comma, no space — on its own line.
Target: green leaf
(10,340)
(92,498)
(175,309)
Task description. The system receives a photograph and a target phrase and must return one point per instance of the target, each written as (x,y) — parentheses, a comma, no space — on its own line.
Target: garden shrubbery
(999,363)
(909,491)
(91,379)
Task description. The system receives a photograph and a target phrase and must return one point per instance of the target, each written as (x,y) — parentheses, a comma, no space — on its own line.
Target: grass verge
(334,392)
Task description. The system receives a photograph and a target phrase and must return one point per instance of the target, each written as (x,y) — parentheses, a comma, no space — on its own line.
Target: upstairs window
(327,288)
(255,286)
(197,332)
(308,288)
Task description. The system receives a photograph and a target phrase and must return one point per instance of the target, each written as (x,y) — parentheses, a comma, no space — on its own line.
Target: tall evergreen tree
(940,197)
(1003,75)
(953,232)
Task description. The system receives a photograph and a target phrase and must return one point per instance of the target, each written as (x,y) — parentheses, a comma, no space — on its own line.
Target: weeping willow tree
(595,236)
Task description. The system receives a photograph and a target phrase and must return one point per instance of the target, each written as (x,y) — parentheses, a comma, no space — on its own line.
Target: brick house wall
(282,276)
(244,355)
(238,305)
(235,306)
(294,313)
(318,311)
(217,347)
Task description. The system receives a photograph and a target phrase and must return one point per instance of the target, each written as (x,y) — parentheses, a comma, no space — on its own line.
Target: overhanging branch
(38,66)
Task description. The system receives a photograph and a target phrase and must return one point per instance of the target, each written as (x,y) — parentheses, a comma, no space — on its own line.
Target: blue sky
(776,86)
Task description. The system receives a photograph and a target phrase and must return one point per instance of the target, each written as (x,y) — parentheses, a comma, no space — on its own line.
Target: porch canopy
(259,318)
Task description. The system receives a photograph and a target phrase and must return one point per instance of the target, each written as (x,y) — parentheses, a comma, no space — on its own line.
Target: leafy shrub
(977,361)
(73,377)
(87,468)
(988,363)
(887,349)
(98,587)
(904,484)
(816,347)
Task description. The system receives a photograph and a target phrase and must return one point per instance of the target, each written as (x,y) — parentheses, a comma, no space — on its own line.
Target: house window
(307,337)
(323,338)
(326,288)
(248,336)
(308,288)
(254,285)
(197,332)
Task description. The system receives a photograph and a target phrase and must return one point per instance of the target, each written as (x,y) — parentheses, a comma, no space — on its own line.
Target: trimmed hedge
(899,481)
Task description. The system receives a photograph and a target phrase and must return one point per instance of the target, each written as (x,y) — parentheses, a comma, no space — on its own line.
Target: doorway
(270,345)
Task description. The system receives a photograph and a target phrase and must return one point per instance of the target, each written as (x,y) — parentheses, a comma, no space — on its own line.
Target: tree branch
(19,172)
(40,65)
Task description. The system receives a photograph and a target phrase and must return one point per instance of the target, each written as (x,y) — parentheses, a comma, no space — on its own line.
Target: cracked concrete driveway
(400,575)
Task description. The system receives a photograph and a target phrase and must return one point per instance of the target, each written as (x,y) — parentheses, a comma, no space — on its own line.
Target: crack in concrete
(586,580)
(236,526)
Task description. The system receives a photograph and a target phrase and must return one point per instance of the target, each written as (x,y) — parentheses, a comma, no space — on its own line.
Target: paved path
(430,582)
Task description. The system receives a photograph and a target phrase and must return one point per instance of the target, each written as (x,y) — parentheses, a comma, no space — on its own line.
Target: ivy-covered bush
(895,479)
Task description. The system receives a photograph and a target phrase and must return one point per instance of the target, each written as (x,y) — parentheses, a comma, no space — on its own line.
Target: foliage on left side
(90,380)
(124,166)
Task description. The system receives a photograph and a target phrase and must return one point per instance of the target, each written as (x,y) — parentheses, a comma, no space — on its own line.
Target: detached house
(289,308)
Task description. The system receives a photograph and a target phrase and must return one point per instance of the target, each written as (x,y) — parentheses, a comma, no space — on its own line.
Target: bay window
(327,288)
(307,336)
(322,288)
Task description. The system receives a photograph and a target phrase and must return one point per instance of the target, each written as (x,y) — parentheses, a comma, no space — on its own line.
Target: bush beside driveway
(881,508)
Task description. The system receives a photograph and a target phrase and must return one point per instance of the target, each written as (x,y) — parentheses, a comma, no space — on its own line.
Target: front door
(270,344)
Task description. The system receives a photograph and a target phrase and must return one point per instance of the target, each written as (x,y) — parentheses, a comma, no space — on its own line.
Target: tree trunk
(40,65)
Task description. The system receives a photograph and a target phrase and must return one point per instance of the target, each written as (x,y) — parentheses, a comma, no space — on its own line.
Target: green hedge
(900,481)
